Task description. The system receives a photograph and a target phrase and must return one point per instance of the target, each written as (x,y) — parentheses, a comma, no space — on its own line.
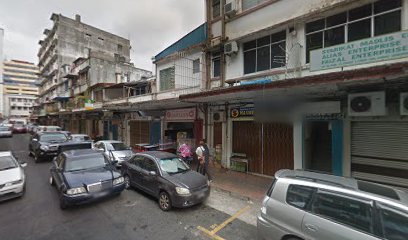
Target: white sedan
(12,178)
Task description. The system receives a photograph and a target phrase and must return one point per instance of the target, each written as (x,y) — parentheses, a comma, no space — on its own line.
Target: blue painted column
(337,147)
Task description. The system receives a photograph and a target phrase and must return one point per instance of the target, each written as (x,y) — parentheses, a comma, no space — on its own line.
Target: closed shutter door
(379,152)
(139,132)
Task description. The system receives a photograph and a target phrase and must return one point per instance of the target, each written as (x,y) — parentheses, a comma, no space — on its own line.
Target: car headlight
(44,148)
(118,180)
(14,182)
(182,191)
(74,191)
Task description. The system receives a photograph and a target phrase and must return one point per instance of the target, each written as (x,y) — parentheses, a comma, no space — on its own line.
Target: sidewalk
(248,186)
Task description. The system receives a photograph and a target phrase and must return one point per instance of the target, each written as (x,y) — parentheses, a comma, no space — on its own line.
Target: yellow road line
(213,236)
(232,218)
(212,233)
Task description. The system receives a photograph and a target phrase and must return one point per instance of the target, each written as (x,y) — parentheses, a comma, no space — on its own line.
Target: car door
(393,222)
(135,170)
(149,176)
(338,216)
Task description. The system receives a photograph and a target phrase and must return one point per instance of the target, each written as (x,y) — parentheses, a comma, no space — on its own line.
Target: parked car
(82,176)
(48,129)
(166,177)
(80,138)
(114,150)
(30,127)
(308,205)
(44,145)
(12,178)
(5,131)
(68,133)
(19,128)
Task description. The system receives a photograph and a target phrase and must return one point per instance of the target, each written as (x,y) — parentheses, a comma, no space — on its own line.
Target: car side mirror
(152,173)
(23,164)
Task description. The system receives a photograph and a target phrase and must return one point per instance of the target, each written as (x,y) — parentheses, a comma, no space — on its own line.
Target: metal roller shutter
(139,132)
(379,152)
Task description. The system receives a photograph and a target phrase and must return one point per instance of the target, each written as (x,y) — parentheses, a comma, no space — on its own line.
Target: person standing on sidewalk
(203,153)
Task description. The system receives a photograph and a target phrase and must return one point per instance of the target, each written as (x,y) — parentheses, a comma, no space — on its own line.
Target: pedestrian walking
(203,154)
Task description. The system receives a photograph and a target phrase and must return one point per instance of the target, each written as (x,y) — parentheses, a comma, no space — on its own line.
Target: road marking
(217,228)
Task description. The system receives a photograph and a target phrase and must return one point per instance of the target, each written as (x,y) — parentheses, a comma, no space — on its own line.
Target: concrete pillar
(347,147)
(298,145)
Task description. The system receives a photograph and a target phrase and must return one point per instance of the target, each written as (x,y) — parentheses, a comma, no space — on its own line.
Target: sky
(151,25)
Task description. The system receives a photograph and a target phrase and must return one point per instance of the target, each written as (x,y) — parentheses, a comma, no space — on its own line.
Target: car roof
(158,154)
(82,153)
(5,153)
(364,187)
(51,132)
(110,141)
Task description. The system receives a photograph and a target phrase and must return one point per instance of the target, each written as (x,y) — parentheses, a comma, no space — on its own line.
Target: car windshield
(80,138)
(173,165)
(4,129)
(53,137)
(7,162)
(117,146)
(78,164)
(18,125)
(51,128)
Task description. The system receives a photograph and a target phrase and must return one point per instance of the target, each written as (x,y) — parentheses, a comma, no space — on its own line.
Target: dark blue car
(82,176)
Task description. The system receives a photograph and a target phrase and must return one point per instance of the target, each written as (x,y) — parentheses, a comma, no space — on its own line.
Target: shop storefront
(267,147)
(182,126)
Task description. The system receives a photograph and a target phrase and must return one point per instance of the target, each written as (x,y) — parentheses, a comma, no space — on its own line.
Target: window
(216,8)
(216,64)
(348,211)
(149,165)
(100,40)
(88,36)
(196,66)
(394,223)
(299,196)
(265,53)
(381,17)
(120,48)
(247,4)
(167,79)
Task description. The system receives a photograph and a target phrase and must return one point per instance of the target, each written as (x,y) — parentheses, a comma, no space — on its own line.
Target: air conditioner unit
(218,117)
(404,104)
(230,48)
(230,9)
(367,104)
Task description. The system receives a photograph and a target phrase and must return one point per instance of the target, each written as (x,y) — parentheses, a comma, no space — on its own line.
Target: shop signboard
(181,114)
(370,50)
(240,112)
(89,104)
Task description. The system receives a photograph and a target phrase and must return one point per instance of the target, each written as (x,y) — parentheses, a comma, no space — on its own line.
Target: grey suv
(308,205)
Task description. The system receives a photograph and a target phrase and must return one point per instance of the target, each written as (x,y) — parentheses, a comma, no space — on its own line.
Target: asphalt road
(132,215)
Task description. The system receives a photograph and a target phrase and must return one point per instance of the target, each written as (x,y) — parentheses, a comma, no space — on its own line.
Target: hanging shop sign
(376,49)
(242,112)
(89,104)
(181,114)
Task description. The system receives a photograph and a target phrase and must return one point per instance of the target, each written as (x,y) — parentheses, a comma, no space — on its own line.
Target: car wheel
(36,158)
(51,181)
(127,182)
(164,201)
(63,204)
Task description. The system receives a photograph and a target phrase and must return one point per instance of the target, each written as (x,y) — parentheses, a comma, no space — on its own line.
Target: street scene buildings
(318,86)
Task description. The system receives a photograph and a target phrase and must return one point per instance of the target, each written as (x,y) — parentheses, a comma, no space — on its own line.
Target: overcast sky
(151,25)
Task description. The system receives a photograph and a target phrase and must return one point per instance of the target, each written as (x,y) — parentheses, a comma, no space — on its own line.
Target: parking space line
(212,233)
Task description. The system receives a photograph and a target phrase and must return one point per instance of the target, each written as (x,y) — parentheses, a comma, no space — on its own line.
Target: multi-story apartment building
(20,79)
(345,59)
(68,40)
(77,62)
(1,72)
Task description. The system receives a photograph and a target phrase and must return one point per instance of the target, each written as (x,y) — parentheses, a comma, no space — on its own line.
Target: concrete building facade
(334,56)
(1,72)
(68,40)
(20,88)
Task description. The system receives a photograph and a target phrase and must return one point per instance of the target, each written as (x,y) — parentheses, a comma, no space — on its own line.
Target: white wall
(266,21)
(184,76)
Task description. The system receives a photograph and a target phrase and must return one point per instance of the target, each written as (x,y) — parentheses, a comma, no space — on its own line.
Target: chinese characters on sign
(383,48)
